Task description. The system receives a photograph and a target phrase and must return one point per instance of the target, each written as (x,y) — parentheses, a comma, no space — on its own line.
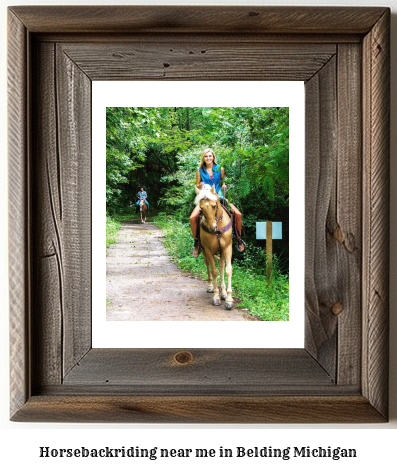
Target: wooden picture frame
(342,54)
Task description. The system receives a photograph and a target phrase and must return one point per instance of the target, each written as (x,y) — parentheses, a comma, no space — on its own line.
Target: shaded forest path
(142,283)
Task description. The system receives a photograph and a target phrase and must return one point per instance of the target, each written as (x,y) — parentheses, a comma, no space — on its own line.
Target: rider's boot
(196,249)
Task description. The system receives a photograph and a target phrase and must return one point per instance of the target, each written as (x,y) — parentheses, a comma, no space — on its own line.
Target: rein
(220,231)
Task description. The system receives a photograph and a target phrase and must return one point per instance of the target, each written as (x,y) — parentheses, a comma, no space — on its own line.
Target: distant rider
(142,195)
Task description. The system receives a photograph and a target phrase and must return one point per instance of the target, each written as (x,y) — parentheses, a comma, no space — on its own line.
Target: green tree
(160,148)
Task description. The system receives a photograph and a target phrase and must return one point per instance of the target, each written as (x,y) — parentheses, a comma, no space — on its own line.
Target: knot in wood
(183,358)
(350,243)
(338,235)
(337,308)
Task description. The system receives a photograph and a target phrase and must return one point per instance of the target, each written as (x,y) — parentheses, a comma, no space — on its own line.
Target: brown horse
(216,238)
(143,210)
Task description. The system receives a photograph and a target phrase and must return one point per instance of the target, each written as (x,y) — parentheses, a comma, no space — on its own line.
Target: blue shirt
(215,180)
(142,194)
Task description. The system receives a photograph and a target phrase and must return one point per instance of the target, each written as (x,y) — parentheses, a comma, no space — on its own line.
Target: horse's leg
(210,286)
(222,270)
(216,301)
(229,271)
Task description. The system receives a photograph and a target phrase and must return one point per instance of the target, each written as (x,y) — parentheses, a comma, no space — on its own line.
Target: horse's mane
(205,193)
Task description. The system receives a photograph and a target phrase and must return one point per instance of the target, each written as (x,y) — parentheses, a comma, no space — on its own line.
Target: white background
(208,334)
(375,444)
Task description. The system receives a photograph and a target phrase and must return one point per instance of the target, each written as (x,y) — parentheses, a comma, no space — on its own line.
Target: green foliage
(128,134)
(160,149)
(268,302)
(112,228)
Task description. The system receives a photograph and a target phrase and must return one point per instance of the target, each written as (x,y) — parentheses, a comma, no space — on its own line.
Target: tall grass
(270,302)
(112,228)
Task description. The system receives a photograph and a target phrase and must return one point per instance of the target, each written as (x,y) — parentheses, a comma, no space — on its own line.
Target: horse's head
(209,204)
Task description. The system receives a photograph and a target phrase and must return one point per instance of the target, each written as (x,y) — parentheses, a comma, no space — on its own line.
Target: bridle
(222,230)
(208,228)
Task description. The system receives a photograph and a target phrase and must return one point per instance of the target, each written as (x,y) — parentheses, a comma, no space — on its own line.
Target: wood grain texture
(376,92)
(19,261)
(347,226)
(199,19)
(62,198)
(73,109)
(203,60)
(230,369)
(321,277)
(341,376)
(187,38)
(199,409)
(47,325)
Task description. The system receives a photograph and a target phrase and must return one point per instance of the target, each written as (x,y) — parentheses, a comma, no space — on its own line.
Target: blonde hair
(202,162)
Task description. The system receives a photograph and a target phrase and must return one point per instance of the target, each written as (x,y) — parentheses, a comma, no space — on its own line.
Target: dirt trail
(144,285)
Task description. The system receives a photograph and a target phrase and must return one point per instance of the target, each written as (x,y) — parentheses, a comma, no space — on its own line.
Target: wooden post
(269,250)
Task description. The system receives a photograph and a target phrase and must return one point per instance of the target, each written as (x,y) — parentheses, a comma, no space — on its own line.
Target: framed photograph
(340,375)
(136,280)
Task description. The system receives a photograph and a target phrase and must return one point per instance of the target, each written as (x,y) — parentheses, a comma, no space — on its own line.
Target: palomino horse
(143,210)
(216,237)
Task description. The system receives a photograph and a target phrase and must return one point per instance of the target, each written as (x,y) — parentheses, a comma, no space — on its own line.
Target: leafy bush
(112,228)
(269,302)
(160,149)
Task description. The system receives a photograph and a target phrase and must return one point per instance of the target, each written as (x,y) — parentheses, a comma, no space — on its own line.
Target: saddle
(232,223)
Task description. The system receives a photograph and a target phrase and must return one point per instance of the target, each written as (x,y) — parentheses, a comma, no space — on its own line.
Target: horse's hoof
(216,302)
(223,296)
(210,289)
(228,305)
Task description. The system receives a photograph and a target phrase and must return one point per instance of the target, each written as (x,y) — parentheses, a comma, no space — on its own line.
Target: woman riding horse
(210,173)
(216,239)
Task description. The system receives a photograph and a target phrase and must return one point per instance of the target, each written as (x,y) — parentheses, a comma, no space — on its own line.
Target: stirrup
(196,250)
(241,242)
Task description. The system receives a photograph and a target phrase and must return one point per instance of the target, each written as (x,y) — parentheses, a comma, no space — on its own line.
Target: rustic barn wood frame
(342,54)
